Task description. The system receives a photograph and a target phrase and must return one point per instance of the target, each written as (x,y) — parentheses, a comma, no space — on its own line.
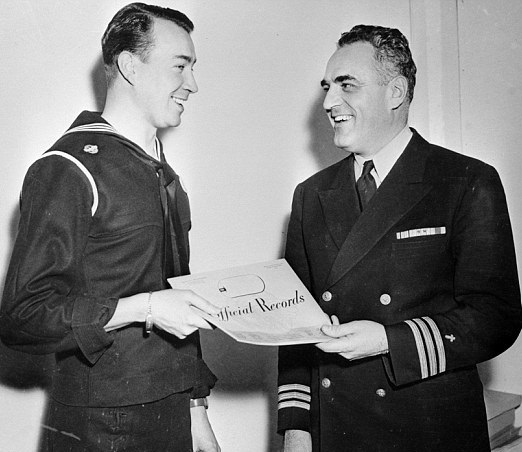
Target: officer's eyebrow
(339,79)
(187,58)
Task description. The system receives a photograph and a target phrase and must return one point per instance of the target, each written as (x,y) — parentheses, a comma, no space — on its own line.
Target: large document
(263,304)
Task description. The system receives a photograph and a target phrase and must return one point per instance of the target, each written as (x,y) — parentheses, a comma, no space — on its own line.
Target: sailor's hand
(179,312)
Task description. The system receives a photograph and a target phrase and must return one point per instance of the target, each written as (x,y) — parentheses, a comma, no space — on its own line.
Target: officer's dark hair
(131,29)
(392,52)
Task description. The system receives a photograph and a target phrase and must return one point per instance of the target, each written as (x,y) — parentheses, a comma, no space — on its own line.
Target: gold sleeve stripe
(420,348)
(441,352)
(294,395)
(430,347)
(293,404)
(294,387)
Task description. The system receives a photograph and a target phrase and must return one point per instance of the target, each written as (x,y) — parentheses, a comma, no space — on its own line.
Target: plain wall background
(491,103)
(255,129)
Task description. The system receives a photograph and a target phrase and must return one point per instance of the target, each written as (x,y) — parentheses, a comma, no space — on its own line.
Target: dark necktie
(366,186)
(176,214)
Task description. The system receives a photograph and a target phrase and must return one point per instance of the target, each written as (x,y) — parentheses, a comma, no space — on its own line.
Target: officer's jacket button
(385,299)
(381,392)
(327,296)
(326,383)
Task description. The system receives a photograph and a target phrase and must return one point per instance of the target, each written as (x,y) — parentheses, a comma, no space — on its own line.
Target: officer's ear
(126,66)
(397,91)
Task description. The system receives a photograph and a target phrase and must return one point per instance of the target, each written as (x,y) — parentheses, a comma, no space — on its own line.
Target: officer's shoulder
(455,164)
(324,177)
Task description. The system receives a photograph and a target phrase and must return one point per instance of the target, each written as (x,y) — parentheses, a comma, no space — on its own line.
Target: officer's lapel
(340,203)
(402,189)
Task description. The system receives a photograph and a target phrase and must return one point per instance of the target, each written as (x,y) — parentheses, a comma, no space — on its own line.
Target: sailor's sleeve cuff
(89,318)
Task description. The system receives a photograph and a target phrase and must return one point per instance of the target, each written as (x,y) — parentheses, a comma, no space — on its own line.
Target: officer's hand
(178,312)
(297,441)
(355,340)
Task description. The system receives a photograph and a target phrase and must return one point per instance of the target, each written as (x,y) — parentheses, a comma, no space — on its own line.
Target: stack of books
(500,410)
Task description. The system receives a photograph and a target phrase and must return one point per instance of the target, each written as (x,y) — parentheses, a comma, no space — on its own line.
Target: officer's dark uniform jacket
(100,220)
(432,258)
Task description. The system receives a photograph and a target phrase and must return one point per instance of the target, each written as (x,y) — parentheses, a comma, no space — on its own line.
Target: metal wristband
(149,321)
(199,402)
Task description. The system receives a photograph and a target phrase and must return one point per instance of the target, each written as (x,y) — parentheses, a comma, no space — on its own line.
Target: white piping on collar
(103,127)
(93,127)
(84,170)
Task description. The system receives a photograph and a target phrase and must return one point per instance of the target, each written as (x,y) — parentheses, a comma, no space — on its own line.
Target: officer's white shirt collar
(384,160)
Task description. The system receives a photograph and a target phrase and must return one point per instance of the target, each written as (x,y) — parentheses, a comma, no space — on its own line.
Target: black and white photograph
(372,147)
